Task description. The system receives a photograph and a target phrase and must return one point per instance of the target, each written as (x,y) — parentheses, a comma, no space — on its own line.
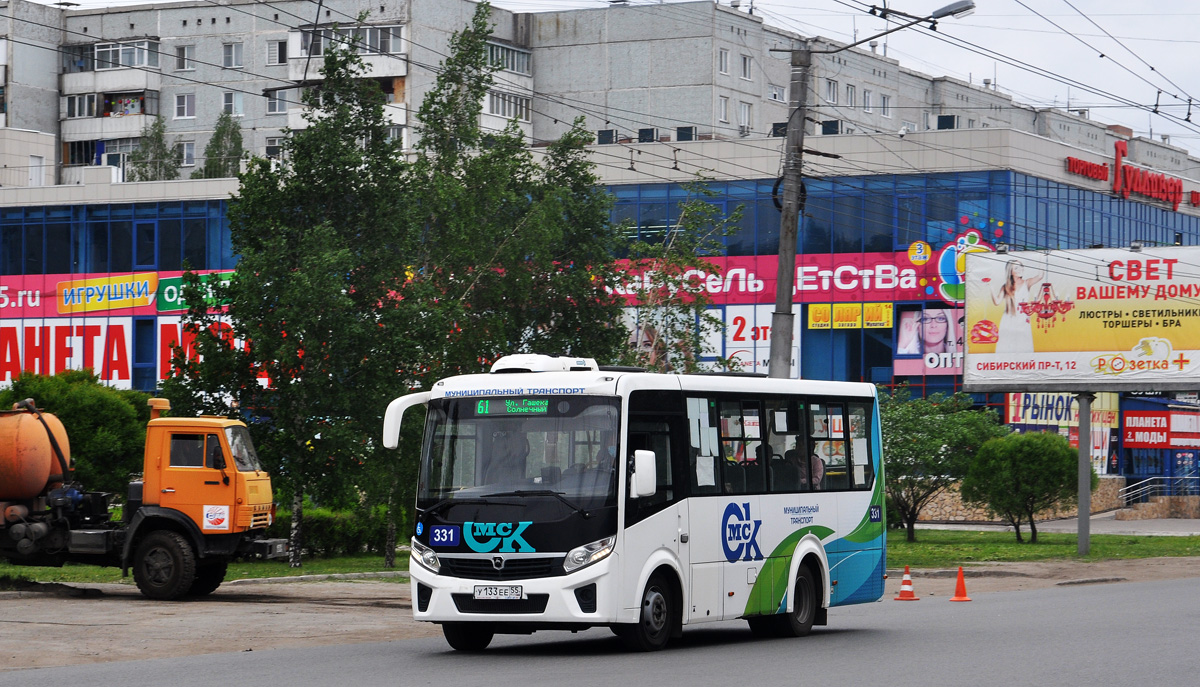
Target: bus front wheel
(657,618)
(467,636)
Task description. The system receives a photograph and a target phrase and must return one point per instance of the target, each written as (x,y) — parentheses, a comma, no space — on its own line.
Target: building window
(365,39)
(77,58)
(831,91)
(274,146)
(277,101)
(395,133)
(231,55)
(81,152)
(277,52)
(185,57)
(81,105)
(121,104)
(885,105)
(970,123)
(232,104)
(185,105)
(185,152)
(509,106)
(866,100)
(925,117)
(134,54)
(849,95)
(722,109)
(744,113)
(776,93)
(509,59)
(747,66)
(908,126)
(723,61)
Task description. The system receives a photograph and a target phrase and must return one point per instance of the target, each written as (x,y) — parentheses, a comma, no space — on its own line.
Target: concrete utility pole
(1085,472)
(783,318)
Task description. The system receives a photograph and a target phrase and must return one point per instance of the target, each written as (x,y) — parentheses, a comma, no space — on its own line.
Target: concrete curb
(317,578)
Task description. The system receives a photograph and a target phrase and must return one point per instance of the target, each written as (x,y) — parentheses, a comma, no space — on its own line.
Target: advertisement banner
(929,342)
(1086,320)
(109,323)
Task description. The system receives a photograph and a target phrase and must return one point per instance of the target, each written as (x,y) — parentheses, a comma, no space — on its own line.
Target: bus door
(657,522)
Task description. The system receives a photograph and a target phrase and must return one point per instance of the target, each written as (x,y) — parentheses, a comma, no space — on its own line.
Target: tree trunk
(1032,530)
(389,542)
(1017,528)
(296,540)
(910,526)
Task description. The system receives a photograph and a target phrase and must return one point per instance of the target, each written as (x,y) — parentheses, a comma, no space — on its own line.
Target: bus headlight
(588,554)
(425,556)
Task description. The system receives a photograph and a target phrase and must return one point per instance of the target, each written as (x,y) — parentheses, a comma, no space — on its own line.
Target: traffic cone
(960,590)
(906,590)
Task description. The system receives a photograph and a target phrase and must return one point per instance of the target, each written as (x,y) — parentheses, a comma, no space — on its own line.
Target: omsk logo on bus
(740,534)
(485,537)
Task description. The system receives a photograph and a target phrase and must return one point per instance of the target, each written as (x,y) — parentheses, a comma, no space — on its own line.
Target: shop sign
(1146,429)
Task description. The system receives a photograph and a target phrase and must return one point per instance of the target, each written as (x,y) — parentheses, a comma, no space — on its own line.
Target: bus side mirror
(642,484)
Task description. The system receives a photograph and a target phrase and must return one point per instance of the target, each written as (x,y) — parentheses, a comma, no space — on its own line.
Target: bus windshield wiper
(455,502)
(547,492)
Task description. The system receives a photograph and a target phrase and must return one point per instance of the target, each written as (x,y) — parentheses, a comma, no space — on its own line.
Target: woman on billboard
(1015,333)
(930,331)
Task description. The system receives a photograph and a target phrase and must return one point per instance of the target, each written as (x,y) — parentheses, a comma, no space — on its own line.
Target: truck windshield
(243,449)
(477,447)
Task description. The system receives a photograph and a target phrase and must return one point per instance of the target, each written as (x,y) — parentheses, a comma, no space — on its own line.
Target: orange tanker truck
(202,500)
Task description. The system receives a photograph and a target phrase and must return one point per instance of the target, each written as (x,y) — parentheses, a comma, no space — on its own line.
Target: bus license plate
(493,591)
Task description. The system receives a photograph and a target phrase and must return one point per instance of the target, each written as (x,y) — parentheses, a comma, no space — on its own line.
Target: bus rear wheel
(467,636)
(659,613)
(799,622)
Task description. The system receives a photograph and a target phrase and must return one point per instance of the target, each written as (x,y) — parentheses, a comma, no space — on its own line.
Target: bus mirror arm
(395,413)
(642,483)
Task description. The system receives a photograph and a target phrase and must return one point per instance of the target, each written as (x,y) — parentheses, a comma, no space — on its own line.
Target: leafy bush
(329,533)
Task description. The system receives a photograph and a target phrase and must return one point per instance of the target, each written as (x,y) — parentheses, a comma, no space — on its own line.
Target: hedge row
(329,533)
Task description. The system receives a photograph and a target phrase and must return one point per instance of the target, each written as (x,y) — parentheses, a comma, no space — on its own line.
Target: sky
(1101,55)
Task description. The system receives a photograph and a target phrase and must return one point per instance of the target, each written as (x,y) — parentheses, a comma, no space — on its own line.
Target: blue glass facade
(888,213)
(114,238)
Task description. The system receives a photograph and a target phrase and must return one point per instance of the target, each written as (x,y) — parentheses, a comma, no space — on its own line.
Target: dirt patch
(113,622)
(80,624)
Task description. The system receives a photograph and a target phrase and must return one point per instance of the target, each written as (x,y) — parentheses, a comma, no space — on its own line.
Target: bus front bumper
(583,598)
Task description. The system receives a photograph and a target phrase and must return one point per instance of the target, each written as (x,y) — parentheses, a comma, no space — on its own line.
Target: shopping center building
(90,265)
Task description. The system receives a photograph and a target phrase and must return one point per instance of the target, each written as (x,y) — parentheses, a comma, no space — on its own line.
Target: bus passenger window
(862,471)
(703,448)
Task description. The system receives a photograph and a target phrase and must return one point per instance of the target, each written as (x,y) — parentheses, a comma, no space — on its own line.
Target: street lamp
(783,319)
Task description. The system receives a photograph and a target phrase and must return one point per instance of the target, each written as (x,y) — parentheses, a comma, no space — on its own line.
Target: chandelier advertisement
(1084,320)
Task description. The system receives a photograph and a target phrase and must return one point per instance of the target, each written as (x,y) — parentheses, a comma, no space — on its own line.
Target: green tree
(514,250)
(106,427)
(927,446)
(674,316)
(363,277)
(1020,474)
(315,306)
(154,159)
(223,154)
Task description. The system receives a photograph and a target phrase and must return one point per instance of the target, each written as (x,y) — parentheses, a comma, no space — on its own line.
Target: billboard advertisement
(929,342)
(1083,320)
(118,325)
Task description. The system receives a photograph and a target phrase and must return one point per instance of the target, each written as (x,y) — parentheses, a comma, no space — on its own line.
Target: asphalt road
(1101,634)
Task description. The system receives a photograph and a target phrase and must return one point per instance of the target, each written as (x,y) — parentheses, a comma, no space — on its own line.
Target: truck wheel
(467,636)
(209,576)
(658,617)
(164,565)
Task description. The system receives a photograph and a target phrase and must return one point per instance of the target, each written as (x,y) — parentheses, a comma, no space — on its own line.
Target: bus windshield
(479,447)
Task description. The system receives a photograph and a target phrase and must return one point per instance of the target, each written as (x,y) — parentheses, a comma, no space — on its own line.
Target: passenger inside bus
(507,464)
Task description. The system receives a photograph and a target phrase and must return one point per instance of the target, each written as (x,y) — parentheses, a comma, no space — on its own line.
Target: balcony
(111,81)
(103,128)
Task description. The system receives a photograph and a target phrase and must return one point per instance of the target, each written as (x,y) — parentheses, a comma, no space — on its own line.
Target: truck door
(197,481)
